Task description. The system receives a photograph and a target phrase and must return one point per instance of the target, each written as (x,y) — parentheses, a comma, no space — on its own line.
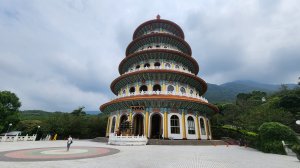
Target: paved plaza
(96,154)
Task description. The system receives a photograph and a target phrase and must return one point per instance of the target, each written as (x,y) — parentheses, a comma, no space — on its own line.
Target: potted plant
(296,149)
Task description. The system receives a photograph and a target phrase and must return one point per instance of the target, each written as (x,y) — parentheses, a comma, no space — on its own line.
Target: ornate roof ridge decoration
(158,20)
(158,97)
(159,35)
(203,83)
(135,54)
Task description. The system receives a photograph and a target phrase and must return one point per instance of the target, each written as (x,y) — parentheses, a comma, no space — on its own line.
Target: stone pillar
(163,89)
(137,88)
(146,124)
(150,87)
(183,126)
(198,127)
(107,127)
(117,121)
(209,127)
(206,128)
(130,116)
(177,88)
(166,125)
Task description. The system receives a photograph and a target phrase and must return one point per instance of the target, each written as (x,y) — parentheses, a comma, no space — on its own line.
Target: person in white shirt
(69,142)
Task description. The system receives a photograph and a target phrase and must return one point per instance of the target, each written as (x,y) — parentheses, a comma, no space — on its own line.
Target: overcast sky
(60,54)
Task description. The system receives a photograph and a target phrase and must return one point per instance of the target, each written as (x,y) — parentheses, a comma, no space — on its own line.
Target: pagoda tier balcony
(159,101)
(163,93)
(157,38)
(161,24)
(159,54)
(159,67)
(157,75)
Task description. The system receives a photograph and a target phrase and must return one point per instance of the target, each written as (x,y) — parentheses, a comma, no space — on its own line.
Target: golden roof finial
(158,17)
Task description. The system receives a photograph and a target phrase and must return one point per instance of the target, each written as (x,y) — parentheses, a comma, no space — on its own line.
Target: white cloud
(58,55)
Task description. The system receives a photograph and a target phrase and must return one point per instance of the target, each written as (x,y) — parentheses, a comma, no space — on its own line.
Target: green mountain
(227,92)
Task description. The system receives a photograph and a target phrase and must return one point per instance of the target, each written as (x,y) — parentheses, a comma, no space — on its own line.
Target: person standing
(69,142)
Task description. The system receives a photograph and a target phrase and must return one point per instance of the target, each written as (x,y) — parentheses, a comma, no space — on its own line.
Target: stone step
(186,142)
(174,142)
(100,139)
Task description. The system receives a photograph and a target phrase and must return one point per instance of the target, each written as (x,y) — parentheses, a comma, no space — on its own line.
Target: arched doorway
(143,88)
(123,119)
(138,124)
(157,87)
(156,124)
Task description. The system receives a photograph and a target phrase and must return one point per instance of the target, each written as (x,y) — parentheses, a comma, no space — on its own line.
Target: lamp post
(38,127)
(9,125)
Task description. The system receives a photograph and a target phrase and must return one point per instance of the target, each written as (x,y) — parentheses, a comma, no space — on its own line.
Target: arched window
(182,90)
(157,87)
(165,47)
(137,67)
(191,125)
(167,65)
(202,126)
(143,88)
(170,88)
(157,46)
(157,64)
(112,130)
(175,127)
(124,92)
(177,66)
(147,65)
(191,91)
(132,89)
(150,46)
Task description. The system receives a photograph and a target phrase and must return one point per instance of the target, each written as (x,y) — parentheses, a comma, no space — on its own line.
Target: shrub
(272,134)
(296,149)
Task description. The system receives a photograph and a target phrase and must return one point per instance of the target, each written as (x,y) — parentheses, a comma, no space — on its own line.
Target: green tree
(79,111)
(9,109)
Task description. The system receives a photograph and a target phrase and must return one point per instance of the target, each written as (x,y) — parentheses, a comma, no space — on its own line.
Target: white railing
(155,48)
(17,138)
(159,67)
(127,140)
(164,93)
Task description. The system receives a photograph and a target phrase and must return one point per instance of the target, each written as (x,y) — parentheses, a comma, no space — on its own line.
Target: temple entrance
(123,119)
(138,125)
(156,131)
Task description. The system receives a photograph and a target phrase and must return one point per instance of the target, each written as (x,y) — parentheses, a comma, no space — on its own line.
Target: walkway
(154,156)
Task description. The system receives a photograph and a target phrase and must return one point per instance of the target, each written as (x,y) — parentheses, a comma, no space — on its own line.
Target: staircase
(186,142)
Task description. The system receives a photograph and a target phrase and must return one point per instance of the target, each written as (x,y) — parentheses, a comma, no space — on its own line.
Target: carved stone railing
(17,138)
(127,140)
(164,93)
(159,67)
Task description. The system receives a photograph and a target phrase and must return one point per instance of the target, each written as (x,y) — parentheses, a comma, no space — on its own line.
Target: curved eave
(179,75)
(189,50)
(158,21)
(195,68)
(164,101)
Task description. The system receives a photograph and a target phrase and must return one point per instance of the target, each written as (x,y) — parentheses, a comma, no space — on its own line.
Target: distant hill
(227,92)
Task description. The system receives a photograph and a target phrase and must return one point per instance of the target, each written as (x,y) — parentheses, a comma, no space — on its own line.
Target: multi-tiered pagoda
(159,92)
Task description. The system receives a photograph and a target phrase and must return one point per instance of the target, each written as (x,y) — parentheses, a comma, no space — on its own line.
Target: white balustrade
(127,140)
(17,138)
(159,67)
(164,93)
